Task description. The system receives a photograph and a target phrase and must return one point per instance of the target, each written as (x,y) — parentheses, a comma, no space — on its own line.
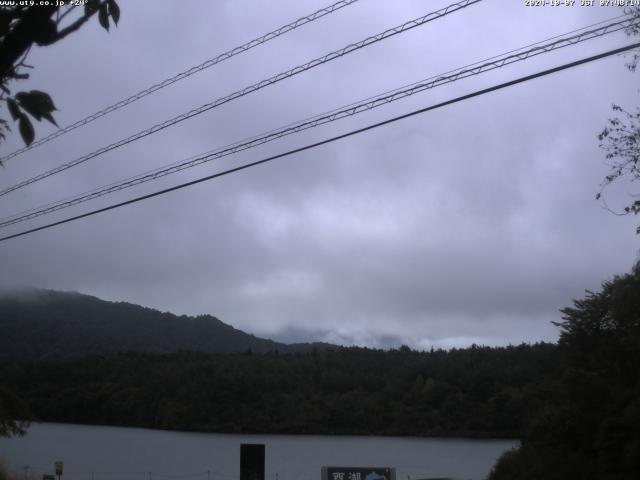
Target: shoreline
(297,434)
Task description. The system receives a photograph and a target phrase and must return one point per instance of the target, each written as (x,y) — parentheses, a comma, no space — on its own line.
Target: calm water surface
(113,453)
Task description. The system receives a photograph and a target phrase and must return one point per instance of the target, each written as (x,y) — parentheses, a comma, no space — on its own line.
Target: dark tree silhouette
(589,427)
(22,27)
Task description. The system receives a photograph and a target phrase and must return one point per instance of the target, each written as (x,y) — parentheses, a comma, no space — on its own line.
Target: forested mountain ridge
(39,323)
(75,358)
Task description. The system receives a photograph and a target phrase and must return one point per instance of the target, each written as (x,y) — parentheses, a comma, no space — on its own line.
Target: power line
(186,73)
(331,139)
(252,88)
(337,114)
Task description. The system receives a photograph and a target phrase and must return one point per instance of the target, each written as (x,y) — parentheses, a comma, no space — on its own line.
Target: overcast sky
(472,223)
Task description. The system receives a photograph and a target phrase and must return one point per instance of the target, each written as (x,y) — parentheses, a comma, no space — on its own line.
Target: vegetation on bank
(589,428)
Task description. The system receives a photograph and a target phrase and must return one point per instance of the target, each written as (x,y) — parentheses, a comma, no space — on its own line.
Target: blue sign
(358,473)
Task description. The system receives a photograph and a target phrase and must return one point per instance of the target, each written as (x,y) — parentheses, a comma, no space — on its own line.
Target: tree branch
(68,11)
(16,42)
(76,25)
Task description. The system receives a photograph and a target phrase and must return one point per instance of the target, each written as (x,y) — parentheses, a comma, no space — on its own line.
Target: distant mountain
(37,323)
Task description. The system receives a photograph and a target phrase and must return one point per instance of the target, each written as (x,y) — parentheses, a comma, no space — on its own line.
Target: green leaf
(45,32)
(103,16)
(50,118)
(26,129)
(114,11)
(14,110)
(38,104)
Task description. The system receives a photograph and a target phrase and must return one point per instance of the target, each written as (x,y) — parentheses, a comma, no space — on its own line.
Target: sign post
(252,461)
(59,465)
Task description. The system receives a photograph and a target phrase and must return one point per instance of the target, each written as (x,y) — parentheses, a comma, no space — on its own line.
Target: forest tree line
(478,391)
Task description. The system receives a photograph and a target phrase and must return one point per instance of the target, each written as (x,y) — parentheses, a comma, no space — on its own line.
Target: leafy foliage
(22,26)
(620,139)
(632,30)
(590,428)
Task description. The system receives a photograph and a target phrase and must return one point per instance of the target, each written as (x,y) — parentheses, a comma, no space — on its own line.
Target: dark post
(252,461)
(58,466)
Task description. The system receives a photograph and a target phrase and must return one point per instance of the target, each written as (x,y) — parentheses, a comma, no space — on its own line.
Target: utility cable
(187,73)
(252,88)
(347,111)
(330,140)
(452,75)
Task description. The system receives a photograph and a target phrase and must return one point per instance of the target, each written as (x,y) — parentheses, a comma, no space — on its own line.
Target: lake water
(113,453)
